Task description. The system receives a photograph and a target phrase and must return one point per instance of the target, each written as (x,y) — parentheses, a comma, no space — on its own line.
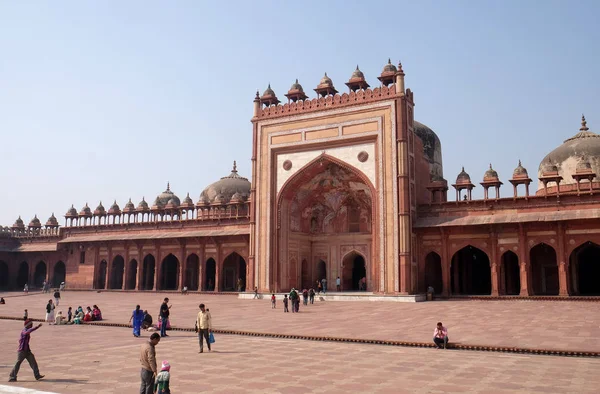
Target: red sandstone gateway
(344,184)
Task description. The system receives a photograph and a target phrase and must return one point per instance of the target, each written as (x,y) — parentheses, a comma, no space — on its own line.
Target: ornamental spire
(583,124)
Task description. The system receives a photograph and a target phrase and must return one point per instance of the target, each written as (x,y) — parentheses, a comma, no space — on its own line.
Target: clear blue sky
(110,100)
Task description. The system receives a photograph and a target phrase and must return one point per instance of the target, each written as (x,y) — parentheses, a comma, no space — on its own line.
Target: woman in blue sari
(138,317)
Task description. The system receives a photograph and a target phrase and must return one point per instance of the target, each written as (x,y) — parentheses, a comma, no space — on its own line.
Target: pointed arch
(433,272)
(544,269)
(354,271)
(117,272)
(510,273)
(23,274)
(169,273)
(471,273)
(40,274)
(210,270)
(233,272)
(132,274)
(192,272)
(101,275)
(584,267)
(4,276)
(60,274)
(148,272)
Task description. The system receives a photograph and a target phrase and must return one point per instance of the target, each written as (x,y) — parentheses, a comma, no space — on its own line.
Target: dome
(71,213)
(85,211)
(432,149)
(389,68)
(296,87)
(268,92)
(114,209)
(520,171)
(490,174)
(227,187)
(357,74)
(326,81)
(548,167)
(19,223)
(129,207)
(463,177)
(237,198)
(158,204)
(35,222)
(167,195)
(568,156)
(172,204)
(143,205)
(100,211)
(187,202)
(584,165)
(52,221)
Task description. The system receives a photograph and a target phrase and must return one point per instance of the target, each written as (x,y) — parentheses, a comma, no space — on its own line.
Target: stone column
(140,271)
(494,265)
(563,263)
(524,265)
(218,267)
(201,264)
(182,265)
(157,266)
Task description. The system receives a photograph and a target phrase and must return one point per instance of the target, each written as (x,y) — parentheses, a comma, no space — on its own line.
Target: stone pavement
(560,325)
(88,359)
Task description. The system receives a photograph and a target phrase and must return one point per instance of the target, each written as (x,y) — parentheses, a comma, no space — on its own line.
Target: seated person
(89,315)
(60,319)
(184,291)
(2,301)
(79,316)
(147,320)
(440,336)
(97,314)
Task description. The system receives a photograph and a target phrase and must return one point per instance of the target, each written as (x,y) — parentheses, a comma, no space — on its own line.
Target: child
(273,301)
(69,314)
(25,315)
(285,303)
(161,385)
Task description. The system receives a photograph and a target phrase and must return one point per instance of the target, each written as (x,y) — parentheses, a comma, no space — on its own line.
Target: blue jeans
(163,326)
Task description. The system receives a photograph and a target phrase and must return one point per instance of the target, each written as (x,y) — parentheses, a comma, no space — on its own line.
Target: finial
(296,80)
(115,202)
(583,124)
(326,74)
(257,94)
(168,186)
(234,166)
(188,194)
(490,166)
(520,163)
(357,68)
(143,198)
(463,168)
(389,60)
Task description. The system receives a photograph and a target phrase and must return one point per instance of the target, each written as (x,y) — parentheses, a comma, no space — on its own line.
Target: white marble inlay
(346,154)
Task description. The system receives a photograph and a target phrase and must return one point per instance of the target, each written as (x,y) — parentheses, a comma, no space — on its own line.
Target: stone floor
(560,325)
(88,359)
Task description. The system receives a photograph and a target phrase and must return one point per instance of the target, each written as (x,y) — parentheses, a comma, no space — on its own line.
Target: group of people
(294,299)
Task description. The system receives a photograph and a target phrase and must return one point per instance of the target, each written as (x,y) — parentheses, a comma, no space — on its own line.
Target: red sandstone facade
(346,185)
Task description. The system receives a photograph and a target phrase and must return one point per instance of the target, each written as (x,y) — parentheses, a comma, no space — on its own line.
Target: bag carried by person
(196,326)
(211,338)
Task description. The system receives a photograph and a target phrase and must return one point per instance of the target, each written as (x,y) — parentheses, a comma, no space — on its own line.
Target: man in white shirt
(204,323)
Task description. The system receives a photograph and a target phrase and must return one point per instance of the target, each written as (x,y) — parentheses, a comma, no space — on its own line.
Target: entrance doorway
(101,277)
(40,274)
(321,270)
(192,269)
(585,269)
(116,273)
(510,273)
(433,273)
(60,274)
(544,270)
(234,273)
(210,274)
(23,275)
(4,278)
(148,273)
(470,272)
(354,272)
(169,273)
(132,275)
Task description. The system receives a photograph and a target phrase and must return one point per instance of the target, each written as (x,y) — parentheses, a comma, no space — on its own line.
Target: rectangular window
(82,257)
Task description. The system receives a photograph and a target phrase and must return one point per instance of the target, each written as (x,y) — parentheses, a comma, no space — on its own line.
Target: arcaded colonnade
(561,260)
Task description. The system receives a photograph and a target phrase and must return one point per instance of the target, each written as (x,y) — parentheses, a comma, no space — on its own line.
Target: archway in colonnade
(510,273)
(101,275)
(116,273)
(60,274)
(470,272)
(4,276)
(234,269)
(23,274)
(148,273)
(433,272)
(210,276)
(169,274)
(321,271)
(40,274)
(585,269)
(192,270)
(544,270)
(132,272)
(353,271)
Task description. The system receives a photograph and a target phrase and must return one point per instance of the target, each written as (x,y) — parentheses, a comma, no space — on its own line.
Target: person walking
(164,317)
(311,295)
(148,363)
(255,293)
(273,301)
(50,312)
(56,297)
(24,352)
(204,323)
(138,317)
(285,304)
(338,284)
(324,284)
(26,289)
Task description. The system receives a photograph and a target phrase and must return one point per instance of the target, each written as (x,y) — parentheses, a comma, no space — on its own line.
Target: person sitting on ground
(147,320)
(440,336)
(89,315)
(161,385)
(2,302)
(60,319)
(184,291)
(26,289)
(97,314)
(79,316)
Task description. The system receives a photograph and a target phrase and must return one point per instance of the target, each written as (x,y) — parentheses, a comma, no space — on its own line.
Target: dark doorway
(586,262)
(116,273)
(169,273)
(305,275)
(148,273)
(23,275)
(234,269)
(510,273)
(101,278)
(4,277)
(470,272)
(321,270)
(544,270)
(433,272)
(210,274)
(39,275)
(60,274)
(192,270)
(353,272)
(132,275)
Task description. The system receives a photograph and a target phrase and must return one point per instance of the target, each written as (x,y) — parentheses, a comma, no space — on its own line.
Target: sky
(103,101)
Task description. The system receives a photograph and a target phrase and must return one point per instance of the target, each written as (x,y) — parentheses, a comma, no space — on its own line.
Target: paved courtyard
(88,359)
(560,325)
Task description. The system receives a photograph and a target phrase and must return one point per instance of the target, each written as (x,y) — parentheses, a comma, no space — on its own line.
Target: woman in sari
(97,314)
(138,317)
(89,316)
(79,316)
